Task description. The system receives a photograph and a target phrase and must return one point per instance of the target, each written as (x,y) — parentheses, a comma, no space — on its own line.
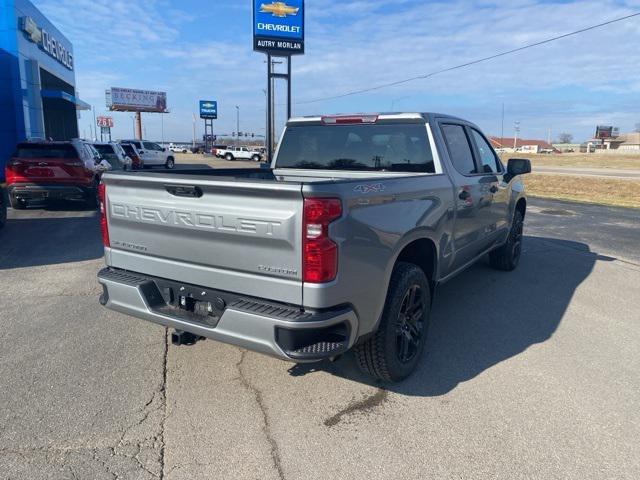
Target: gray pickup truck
(340,244)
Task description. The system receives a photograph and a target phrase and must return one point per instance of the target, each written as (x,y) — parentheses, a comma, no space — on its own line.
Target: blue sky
(203,50)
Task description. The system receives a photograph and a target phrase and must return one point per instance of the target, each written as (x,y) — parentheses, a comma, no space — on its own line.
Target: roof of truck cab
(398,116)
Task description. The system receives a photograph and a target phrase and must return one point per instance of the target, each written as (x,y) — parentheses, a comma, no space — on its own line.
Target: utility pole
(502,130)
(162,127)
(238,126)
(266,143)
(94,122)
(516,127)
(194,131)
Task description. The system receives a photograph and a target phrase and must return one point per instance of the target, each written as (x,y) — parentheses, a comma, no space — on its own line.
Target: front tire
(256,158)
(228,157)
(170,163)
(394,351)
(507,256)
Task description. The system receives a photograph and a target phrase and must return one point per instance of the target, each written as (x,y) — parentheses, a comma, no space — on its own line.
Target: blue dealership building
(38,96)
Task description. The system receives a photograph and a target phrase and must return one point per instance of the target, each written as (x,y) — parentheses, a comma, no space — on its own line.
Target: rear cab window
(460,150)
(35,150)
(384,147)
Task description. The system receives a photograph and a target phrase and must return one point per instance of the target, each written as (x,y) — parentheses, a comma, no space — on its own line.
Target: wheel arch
(423,253)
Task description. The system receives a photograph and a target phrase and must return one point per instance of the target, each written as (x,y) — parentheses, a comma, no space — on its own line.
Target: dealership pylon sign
(278,27)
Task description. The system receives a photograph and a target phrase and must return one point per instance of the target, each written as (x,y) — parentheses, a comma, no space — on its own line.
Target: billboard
(606,131)
(130,100)
(278,26)
(104,122)
(209,109)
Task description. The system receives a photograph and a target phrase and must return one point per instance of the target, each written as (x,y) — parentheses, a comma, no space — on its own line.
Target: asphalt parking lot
(530,374)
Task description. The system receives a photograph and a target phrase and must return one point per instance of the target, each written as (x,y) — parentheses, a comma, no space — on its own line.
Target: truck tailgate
(239,236)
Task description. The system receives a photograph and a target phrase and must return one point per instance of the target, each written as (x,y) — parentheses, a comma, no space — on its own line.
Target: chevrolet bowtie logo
(278,9)
(30,27)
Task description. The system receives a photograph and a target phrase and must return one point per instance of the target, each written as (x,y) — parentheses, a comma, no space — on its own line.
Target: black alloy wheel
(410,324)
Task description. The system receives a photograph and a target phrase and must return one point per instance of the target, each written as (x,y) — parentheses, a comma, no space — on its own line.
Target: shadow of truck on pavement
(30,241)
(483,317)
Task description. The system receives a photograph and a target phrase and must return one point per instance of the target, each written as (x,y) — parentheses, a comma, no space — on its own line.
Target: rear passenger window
(459,149)
(488,161)
(149,146)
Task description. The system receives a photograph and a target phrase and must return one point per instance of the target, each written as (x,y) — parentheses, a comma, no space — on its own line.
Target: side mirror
(518,166)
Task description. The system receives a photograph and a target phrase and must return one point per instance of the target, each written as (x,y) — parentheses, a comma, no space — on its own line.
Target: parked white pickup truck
(178,148)
(239,153)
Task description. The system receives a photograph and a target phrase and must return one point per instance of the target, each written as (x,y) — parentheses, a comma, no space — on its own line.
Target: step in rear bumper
(257,325)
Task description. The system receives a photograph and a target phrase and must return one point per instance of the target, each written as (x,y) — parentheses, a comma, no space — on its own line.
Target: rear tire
(507,256)
(394,351)
(3,208)
(170,163)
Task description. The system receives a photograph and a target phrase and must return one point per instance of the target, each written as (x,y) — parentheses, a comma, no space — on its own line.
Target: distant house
(626,142)
(522,145)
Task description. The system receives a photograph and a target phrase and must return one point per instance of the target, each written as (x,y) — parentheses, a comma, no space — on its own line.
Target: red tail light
(11,170)
(349,119)
(319,252)
(104,228)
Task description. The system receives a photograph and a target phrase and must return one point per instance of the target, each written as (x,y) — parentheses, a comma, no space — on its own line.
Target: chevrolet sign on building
(47,42)
(278,27)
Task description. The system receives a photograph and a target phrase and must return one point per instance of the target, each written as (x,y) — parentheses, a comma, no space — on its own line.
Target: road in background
(529,374)
(620,174)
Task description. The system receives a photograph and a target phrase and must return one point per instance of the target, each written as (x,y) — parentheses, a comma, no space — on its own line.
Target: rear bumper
(267,327)
(48,192)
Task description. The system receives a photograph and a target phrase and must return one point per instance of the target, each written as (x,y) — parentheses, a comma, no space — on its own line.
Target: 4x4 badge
(369,188)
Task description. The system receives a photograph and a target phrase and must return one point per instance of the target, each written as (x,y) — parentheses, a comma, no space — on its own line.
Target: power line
(467,64)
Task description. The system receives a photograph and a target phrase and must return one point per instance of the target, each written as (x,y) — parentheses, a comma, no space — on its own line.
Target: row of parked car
(45,170)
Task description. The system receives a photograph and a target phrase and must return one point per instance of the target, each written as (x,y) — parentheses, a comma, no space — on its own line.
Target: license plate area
(191,303)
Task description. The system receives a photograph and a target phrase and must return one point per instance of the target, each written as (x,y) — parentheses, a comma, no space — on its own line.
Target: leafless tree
(565,138)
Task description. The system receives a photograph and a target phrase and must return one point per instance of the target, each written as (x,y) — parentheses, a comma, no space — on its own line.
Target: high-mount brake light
(104,228)
(349,119)
(319,252)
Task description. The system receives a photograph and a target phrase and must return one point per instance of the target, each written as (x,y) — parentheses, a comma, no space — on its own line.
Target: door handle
(494,189)
(184,191)
(464,195)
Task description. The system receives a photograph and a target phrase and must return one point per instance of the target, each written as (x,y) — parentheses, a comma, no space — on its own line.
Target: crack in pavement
(129,449)
(163,398)
(266,427)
